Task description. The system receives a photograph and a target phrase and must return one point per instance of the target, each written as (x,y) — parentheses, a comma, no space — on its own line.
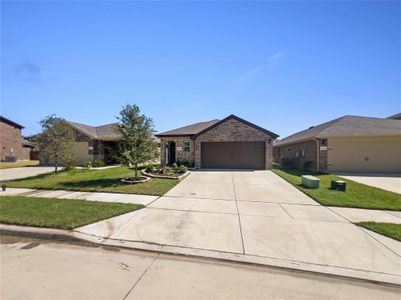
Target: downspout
(317,154)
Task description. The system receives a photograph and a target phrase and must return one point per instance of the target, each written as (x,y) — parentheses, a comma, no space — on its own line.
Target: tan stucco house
(230,143)
(346,144)
(94,142)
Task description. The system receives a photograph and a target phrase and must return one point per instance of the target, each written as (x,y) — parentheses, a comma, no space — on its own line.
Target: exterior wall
(81,153)
(180,155)
(26,153)
(10,141)
(302,155)
(378,155)
(234,131)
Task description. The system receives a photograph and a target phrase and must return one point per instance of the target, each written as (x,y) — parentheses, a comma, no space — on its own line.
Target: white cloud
(249,74)
(276,56)
(272,58)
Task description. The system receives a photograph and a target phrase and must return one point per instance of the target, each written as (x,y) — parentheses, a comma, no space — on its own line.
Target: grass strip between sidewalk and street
(58,213)
(357,195)
(106,180)
(387,229)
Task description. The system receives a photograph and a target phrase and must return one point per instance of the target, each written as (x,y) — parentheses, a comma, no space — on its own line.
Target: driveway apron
(256,213)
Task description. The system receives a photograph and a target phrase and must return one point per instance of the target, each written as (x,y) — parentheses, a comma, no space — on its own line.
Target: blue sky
(282,65)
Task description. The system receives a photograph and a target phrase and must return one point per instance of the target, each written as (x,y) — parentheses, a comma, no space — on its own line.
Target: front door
(171,152)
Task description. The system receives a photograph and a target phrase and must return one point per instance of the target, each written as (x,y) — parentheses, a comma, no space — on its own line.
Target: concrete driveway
(18,173)
(257,214)
(389,182)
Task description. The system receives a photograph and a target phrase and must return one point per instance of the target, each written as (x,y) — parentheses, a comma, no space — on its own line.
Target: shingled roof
(346,126)
(105,132)
(188,130)
(199,128)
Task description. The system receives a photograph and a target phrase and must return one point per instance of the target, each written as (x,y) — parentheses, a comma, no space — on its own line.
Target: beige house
(94,142)
(231,143)
(346,144)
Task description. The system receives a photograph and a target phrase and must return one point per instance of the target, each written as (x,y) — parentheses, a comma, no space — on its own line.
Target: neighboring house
(11,144)
(346,144)
(231,143)
(94,142)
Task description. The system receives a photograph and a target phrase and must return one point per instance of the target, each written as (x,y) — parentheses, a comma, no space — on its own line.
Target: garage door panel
(377,155)
(233,155)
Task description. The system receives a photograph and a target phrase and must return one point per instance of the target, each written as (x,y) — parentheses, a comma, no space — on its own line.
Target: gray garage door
(233,155)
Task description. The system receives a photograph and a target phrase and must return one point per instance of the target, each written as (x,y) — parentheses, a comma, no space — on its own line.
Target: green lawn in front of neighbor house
(106,180)
(388,229)
(18,164)
(58,213)
(357,195)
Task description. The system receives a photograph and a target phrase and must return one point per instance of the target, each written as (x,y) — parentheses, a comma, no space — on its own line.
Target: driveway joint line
(239,216)
(139,279)
(286,211)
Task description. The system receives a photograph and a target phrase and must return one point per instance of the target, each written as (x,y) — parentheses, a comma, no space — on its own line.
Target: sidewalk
(89,196)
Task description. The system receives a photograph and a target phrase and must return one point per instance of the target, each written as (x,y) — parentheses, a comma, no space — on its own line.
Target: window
(186,147)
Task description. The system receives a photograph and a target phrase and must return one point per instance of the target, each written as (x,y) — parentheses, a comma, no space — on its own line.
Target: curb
(290,266)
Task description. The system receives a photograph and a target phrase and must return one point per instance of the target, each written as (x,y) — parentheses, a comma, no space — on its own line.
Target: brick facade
(231,130)
(10,141)
(180,155)
(302,155)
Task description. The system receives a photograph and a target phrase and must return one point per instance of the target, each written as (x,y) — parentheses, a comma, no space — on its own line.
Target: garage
(233,155)
(371,155)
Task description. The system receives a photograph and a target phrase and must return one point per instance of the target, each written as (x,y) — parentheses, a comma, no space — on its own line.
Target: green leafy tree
(137,144)
(56,141)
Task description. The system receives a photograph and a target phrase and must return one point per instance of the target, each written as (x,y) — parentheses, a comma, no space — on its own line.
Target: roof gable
(272,134)
(9,122)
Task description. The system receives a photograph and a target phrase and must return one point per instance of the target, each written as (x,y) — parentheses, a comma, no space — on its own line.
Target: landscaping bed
(58,213)
(357,195)
(167,172)
(106,180)
(388,229)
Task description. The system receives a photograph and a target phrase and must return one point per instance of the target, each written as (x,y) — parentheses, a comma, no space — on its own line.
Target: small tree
(137,142)
(56,141)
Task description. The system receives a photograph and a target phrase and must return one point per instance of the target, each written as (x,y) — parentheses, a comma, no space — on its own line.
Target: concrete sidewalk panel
(187,229)
(327,243)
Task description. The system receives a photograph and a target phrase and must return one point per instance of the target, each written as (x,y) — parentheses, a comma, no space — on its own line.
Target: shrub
(182,169)
(167,170)
(69,163)
(97,163)
(149,168)
(186,163)
(88,164)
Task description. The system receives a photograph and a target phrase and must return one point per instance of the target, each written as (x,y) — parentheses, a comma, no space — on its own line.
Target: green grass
(58,213)
(108,180)
(18,164)
(357,195)
(388,229)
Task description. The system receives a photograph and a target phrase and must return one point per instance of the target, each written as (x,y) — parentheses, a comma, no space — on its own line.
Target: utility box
(310,182)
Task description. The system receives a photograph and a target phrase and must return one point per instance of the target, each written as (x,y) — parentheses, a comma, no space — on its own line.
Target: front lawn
(58,213)
(357,194)
(388,229)
(107,180)
(18,164)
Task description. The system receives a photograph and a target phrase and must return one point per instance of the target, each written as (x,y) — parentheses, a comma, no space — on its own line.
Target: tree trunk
(136,170)
(55,164)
